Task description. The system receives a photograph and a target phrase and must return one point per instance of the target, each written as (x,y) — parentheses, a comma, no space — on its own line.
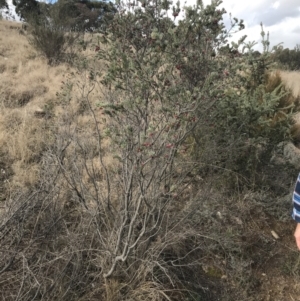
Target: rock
(39,113)
(292,154)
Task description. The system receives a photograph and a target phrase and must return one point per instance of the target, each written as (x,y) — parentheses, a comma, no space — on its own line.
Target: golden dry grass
(292,80)
(24,76)
(27,84)
(28,88)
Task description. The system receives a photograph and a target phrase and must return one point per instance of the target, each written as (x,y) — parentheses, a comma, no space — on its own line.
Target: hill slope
(27,86)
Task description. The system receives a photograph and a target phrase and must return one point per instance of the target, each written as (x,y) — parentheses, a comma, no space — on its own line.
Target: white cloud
(276,4)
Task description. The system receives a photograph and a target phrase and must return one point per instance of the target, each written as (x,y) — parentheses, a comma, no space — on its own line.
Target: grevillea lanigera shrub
(226,106)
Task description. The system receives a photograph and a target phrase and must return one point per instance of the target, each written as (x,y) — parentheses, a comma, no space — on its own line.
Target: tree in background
(56,28)
(288,58)
(24,8)
(3,4)
(85,15)
(72,15)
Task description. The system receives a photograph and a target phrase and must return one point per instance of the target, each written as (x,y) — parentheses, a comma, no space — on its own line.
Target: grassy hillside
(28,88)
(225,240)
(291,79)
(29,102)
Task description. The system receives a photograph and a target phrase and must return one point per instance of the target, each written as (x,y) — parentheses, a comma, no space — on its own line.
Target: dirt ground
(279,276)
(278,270)
(259,260)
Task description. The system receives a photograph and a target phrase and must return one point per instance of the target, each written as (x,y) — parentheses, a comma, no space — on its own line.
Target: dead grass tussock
(273,81)
(24,175)
(113,290)
(23,139)
(11,40)
(150,291)
(292,80)
(26,140)
(32,82)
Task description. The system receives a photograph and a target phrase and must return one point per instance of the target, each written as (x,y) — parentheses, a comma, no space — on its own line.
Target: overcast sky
(280,17)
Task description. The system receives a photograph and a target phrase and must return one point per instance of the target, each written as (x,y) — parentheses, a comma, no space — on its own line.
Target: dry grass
(292,80)
(29,102)
(27,84)
(25,77)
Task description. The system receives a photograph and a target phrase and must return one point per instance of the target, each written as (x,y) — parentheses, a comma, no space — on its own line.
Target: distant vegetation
(288,58)
(55,28)
(155,169)
(69,14)
(3,3)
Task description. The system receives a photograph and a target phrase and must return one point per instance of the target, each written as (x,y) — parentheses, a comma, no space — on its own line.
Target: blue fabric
(296,201)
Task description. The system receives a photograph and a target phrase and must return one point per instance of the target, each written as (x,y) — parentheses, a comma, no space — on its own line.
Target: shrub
(248,119)
(123,185)
(50,35)
(161,81)
(55,44)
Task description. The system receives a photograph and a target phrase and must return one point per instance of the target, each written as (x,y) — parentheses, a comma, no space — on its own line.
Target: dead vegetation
(27,85)
(28,101)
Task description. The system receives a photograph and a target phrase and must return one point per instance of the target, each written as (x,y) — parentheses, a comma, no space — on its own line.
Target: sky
(281,18)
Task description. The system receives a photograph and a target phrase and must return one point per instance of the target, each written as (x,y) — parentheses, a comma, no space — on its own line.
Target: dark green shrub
(250,116)
(56,45)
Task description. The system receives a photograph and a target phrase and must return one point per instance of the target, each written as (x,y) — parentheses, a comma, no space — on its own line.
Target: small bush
(57,28)
(249,118)
(50,34)
(53,43)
